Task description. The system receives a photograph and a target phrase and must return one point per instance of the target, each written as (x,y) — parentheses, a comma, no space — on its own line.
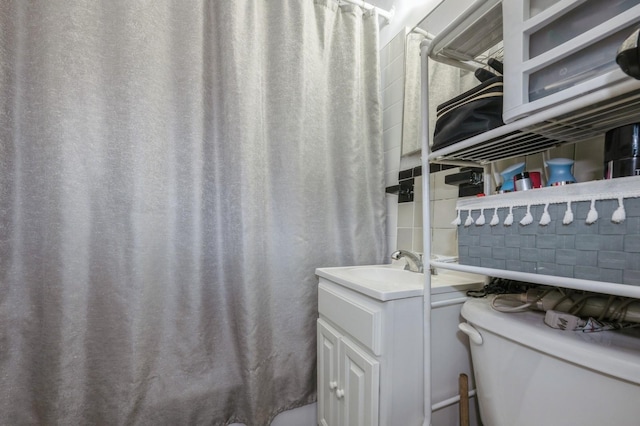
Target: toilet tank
(528,373)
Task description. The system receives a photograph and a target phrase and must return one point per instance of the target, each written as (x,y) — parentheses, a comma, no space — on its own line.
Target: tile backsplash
(392,67)
(443,233)
(588,156)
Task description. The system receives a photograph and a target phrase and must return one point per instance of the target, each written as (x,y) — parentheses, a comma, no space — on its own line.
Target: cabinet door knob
(333,385)
(340,393)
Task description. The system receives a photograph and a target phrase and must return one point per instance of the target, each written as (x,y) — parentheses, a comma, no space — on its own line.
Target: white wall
(408,13)
(404,221)
(392,69)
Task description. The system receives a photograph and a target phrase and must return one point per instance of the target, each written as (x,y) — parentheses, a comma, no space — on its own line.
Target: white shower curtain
(171,174)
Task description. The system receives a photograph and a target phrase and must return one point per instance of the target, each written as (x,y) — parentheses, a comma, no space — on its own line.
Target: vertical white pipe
(426,229)
(496,177)
(487,179)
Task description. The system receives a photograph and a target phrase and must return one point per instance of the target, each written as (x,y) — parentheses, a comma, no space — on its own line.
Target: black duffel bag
(473,112)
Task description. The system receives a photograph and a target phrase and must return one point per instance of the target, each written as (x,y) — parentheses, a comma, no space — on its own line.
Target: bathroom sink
(391,277)
(389,282)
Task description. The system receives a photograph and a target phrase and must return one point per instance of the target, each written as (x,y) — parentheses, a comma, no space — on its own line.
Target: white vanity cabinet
(369,359)
(350,380)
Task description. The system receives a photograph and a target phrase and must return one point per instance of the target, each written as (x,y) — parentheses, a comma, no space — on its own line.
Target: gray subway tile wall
(604,250)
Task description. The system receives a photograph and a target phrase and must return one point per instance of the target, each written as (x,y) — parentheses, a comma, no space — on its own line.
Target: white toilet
(530,374)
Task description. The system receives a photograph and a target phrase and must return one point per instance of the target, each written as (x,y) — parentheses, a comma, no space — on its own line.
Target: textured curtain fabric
(171,174)
(444,85)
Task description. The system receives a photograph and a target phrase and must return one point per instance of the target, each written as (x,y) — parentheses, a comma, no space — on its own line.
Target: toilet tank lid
(616,353)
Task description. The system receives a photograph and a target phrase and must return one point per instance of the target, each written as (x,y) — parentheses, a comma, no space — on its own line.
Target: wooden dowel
(463,386)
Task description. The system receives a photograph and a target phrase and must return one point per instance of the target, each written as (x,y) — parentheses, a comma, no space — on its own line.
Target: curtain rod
(387,15)
(420,31)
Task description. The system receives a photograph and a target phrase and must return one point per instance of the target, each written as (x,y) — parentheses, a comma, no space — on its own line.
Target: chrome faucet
(414,261)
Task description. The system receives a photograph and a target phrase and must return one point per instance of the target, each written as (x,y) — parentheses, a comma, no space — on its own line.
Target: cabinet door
(359,386)
(328,342)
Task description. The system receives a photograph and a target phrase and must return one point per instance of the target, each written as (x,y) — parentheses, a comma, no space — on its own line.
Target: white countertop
(389,282)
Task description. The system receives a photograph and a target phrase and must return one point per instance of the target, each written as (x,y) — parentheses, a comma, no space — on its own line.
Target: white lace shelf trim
(613,189)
